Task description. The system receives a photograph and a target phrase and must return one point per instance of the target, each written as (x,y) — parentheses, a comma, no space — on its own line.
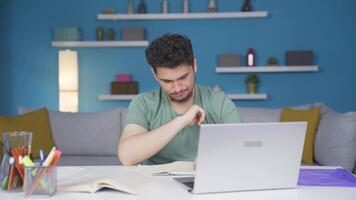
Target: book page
(126,181)
(174,168)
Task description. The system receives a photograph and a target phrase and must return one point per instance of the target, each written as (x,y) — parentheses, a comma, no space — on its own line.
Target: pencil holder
(40,181)
(16,145)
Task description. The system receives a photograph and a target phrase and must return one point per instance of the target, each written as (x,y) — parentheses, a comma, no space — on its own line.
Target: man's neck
(181,107)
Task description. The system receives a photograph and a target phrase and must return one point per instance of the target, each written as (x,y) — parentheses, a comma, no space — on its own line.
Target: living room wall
(29,65)
(4,68)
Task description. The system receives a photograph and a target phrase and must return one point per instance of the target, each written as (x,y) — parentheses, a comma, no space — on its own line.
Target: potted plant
(252,83)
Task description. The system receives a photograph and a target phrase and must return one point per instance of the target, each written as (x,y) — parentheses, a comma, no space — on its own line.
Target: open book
(128,181)
(175,168)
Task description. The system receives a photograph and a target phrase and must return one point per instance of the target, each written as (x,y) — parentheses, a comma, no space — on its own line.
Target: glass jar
(16,146)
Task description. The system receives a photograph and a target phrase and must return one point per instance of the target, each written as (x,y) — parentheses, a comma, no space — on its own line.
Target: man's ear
(154,74)
(195,66)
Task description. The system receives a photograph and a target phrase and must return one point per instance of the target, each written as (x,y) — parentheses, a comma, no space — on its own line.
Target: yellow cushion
(312,116)
(36,122)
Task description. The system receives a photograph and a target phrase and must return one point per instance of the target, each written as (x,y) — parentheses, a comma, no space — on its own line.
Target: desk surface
(166,188)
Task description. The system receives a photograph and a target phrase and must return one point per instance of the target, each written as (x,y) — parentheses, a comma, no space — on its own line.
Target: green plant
(272,61)
(252,78)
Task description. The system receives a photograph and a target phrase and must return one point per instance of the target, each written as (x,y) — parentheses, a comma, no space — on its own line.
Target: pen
(27,162)
(49,158)
(11,174)
(41,156)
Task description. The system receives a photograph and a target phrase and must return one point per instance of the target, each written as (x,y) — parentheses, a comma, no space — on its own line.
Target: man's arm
(137,144)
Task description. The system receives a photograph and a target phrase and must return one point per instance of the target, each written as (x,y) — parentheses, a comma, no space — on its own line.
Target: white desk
(166,188)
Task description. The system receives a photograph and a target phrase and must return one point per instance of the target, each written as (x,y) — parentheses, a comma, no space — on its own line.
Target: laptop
(247,156)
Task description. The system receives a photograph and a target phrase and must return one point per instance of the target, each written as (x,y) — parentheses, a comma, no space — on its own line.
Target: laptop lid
(249,156)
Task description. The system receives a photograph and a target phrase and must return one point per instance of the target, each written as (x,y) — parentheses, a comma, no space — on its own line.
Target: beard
(184,99)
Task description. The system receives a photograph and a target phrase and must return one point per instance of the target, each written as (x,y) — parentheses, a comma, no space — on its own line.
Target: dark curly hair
(170,51)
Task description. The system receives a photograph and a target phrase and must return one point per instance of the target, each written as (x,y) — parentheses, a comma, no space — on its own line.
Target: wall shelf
(161,16)
(72,44)
(267,69)
(121,97)
(247,96)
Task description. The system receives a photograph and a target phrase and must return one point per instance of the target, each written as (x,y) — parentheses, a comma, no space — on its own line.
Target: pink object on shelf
(123,77)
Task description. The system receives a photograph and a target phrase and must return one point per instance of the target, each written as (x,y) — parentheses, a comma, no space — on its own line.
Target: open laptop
(247,156)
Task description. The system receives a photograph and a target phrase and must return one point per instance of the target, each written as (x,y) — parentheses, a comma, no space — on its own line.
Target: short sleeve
(137,112)
(229,112)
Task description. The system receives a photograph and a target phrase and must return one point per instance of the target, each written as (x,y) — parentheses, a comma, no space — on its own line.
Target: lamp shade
(68,70)
(68,81)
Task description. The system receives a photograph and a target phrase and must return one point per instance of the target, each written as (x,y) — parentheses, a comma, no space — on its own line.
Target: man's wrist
(182,122)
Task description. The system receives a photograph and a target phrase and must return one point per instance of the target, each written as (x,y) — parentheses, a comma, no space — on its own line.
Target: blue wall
(4,61)
(29,64)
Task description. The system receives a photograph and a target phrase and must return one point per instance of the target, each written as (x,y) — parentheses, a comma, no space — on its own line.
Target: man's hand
(195,115)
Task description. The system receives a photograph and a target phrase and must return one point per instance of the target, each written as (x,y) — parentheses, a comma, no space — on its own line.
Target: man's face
(178,83)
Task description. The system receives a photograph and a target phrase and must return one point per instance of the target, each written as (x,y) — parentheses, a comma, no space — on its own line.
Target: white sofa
(92,138)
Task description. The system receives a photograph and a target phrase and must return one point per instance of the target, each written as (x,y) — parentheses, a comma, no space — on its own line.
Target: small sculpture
(212,6)
(142,7)
(109,11)
(246,7)
(129,7)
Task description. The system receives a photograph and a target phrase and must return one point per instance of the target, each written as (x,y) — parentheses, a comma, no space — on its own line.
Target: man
(163,126)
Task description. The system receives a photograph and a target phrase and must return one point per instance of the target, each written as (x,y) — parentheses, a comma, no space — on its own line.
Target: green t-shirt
(152,110)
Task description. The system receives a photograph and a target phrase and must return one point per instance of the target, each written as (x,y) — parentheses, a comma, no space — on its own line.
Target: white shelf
(247,96)
(108,97)
(122,97)
(143,43)
(161,16)
(267,69)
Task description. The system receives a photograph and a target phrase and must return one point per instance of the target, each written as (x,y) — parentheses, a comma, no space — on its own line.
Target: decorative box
(229,60)
(123,77)
(299,57)
(133,34)
(67,34)
(124,87)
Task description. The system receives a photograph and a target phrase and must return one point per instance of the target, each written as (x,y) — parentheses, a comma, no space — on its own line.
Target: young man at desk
(162,126)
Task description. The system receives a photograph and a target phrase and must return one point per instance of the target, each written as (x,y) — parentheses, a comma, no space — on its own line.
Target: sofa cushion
(92,133)
(36,122)
(312,116)
(323,108)
(250,115)
(335,142)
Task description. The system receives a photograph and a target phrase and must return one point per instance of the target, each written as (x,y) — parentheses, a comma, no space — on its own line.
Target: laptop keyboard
(187,181)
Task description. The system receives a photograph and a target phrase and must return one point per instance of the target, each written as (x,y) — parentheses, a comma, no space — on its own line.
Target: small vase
(165,6)
(251,88)
(185,6)
(16,144)
(111,34)
(100,33)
